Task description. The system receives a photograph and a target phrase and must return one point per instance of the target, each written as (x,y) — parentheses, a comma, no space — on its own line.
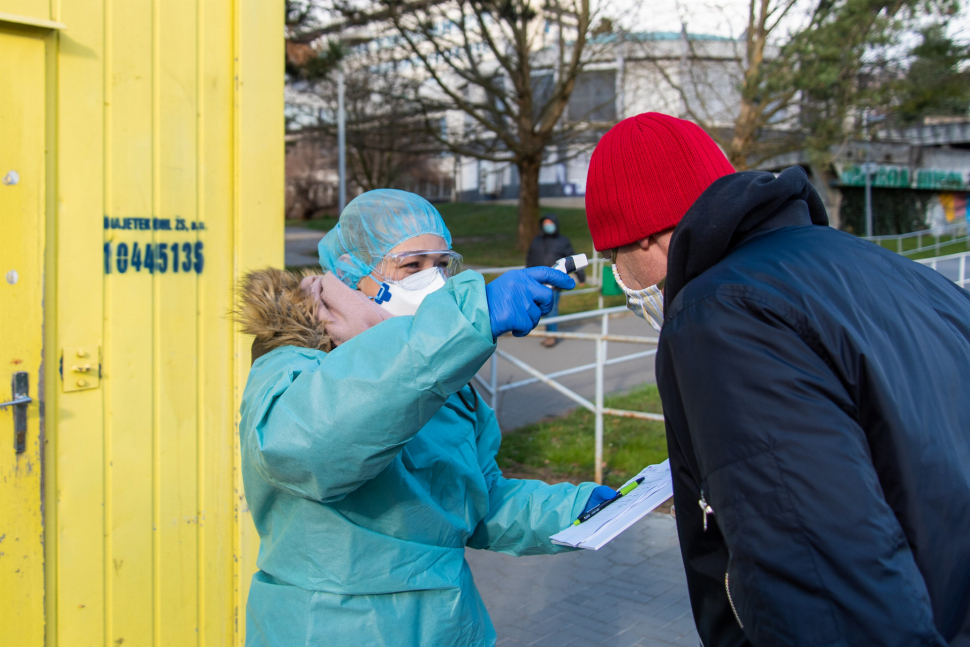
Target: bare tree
(388,144)
(310,170)
(795,80)
(387,140)
(509,66)
(307,57)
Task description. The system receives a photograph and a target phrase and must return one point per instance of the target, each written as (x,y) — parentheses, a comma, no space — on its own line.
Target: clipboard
(596,532)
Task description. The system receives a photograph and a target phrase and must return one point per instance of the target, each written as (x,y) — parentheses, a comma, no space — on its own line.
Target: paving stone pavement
(630,593)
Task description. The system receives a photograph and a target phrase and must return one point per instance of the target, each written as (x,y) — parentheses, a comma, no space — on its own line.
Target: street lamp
(341,143)
(869,169)
(345,41)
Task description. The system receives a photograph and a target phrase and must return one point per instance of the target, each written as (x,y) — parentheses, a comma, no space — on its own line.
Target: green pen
(626,489)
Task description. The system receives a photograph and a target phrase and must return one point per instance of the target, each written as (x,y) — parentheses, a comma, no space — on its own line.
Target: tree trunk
(746,125)
(744,136)
(528,202)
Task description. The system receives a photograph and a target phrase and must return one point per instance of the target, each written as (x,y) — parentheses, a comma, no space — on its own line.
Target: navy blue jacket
(817,395)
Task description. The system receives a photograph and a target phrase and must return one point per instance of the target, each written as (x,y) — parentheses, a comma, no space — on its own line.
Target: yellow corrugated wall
(165,131)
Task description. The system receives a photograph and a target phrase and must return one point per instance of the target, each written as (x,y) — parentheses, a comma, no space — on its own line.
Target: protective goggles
(397,266)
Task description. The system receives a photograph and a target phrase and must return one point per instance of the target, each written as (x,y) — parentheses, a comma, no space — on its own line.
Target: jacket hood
(549,216)
(733,208)
(277,311)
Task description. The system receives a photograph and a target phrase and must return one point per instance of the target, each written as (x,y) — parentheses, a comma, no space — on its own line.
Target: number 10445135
(154,257)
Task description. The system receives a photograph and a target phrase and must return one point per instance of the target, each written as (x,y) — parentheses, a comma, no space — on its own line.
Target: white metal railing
(601,339)
(952,266)
(957,233)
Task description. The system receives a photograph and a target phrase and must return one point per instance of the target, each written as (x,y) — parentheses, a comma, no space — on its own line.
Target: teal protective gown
(367,475)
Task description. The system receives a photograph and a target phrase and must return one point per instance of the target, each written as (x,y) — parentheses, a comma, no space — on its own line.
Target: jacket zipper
(727,587)
(705,508)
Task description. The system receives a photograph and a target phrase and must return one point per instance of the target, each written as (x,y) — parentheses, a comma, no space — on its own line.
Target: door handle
(20,400)
(20,385)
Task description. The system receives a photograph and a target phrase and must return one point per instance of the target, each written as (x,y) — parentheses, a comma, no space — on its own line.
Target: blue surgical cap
(371,225)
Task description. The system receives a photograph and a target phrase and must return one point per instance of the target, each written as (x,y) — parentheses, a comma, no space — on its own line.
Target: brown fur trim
(273,308)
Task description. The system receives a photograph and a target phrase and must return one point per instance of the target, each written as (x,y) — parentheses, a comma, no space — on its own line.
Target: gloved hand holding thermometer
(570,264)
(517,299)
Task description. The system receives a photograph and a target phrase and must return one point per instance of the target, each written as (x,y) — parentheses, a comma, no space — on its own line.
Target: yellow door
(21,336)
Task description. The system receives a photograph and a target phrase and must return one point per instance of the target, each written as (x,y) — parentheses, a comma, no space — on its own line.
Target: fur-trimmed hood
(277,311)
(306,309)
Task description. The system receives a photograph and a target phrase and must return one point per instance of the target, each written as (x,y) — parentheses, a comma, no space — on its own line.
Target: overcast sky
(719,17)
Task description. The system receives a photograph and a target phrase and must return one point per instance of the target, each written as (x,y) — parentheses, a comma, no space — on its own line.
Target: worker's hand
(600,494)
(517,299)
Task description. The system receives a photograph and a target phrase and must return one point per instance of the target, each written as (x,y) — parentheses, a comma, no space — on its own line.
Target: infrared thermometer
(570,264)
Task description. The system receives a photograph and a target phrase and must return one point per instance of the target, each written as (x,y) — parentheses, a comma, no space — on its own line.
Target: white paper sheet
(598,531)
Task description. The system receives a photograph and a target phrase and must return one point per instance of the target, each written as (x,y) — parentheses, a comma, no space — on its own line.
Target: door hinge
(81,367)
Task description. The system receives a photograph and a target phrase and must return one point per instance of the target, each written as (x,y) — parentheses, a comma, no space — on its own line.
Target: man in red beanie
(815,392)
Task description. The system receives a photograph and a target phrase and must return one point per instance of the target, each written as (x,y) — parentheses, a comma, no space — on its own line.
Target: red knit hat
(645,174)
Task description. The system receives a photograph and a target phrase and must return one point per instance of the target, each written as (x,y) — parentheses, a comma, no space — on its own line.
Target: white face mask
(648,303)
(403,297)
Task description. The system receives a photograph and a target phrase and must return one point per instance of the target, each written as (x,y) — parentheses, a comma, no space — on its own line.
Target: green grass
(484,233)
(947,246)
(561,449)
(320,224)
(569,304)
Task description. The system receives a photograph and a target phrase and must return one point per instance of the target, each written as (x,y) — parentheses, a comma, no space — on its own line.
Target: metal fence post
(605,330)
(599,409)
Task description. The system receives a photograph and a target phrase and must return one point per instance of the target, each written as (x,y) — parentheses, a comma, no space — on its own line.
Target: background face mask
(648,303)
(549,228)
(403,297)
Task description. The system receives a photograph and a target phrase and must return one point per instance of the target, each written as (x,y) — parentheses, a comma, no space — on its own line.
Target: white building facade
(631,73)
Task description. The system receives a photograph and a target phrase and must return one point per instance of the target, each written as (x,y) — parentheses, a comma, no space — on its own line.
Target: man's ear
(661,238)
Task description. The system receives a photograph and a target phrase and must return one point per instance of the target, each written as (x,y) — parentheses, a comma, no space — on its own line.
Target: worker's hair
(273,308)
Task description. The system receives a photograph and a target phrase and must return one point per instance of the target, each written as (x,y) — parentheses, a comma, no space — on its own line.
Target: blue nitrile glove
(518,298)
(600,494)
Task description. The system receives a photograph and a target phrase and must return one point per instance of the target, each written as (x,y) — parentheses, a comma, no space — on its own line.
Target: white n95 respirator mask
(648,303)
(403,297)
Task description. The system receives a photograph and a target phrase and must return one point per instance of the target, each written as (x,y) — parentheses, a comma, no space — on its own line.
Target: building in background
(921,178)
(920,181)
(627,74)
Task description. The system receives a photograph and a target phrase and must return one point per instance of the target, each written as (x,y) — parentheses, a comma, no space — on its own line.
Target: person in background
(368,459)
(816,395)
(547,248)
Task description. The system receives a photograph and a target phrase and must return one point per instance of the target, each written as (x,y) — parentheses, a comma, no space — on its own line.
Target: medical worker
(368,458)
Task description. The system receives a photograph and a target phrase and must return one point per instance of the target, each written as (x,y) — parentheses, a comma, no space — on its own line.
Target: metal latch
(81,367)
(20,385)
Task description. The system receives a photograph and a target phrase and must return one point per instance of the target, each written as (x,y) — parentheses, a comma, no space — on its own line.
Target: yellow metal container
(141,173)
